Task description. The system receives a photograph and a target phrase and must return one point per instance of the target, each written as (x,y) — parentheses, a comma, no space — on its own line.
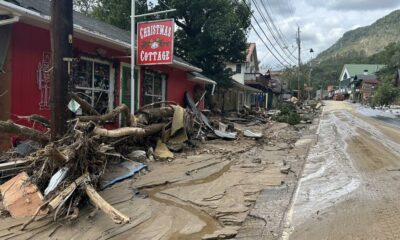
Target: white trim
(344,70)
(9,21)
(186,66)
(112,88)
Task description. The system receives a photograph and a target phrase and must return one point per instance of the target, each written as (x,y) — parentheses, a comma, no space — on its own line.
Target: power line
(265,3)
(273,34)
(278,53)
(277,29)
(266,45)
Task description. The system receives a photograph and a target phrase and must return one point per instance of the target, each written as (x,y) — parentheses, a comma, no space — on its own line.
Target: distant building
(350,71)
(363,86)
(243,92)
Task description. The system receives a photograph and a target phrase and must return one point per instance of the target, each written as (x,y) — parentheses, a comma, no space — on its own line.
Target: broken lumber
(35,135)
(120,132)
(60,198)
(109,116)
(86,107)
(102,204)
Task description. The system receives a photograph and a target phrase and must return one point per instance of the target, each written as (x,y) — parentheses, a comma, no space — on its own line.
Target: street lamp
(309,77)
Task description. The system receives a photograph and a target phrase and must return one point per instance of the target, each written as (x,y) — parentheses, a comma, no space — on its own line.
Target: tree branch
(10,127)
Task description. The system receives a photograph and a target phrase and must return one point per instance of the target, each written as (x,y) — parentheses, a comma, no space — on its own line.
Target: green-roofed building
(349,71)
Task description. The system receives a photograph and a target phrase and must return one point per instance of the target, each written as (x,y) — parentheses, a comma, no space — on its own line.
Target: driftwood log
(109,116)
(13,128)
(102,204)
(86,107)
(120,132)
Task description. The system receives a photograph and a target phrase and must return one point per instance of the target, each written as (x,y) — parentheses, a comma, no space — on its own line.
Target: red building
(101,73)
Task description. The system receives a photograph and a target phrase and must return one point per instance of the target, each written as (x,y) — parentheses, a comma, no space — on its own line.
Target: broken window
(5,36)
(92,82)
(154,87)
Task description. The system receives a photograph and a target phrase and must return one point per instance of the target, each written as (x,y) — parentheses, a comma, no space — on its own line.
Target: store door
(126,87)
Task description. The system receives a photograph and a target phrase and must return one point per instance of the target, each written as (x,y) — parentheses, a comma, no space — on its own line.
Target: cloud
(322,23)
(355,5)
(284,8)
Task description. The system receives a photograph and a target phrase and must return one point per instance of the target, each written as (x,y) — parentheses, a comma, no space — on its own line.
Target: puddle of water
(211,224)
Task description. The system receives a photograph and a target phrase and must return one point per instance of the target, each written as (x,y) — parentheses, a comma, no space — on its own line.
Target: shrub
(288,114)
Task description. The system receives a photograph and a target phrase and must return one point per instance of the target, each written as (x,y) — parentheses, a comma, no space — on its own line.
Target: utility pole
(61,46)
(299,63)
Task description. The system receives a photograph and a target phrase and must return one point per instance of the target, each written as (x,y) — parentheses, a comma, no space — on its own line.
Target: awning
(246,88)
(199,78)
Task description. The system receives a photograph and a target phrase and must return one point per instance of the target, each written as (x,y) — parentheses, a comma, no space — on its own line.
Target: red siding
(177,83)
(28,45)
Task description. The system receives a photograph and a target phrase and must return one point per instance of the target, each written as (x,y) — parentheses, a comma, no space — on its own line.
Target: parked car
(338,97)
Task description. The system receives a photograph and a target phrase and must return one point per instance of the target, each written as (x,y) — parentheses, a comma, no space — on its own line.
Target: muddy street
(350,184)
(216,191)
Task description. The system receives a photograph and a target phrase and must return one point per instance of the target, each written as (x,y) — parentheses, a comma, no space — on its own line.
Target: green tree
(386,93)
(118,12)
(85,6)
(211,33)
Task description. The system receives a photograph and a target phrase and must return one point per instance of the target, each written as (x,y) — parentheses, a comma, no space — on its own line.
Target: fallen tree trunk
(111,115)
(120,132)
(102,204)
(153,129)
(10,127)
(86,107)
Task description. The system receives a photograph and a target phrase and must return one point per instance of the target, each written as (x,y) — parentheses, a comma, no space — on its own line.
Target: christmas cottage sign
(155,42)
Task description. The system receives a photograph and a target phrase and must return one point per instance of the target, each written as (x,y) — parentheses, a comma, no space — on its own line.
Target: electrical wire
(266,36)
(277,29)
(279,42)
(265,44)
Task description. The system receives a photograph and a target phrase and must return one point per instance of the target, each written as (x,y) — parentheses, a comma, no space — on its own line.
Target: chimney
(366,72)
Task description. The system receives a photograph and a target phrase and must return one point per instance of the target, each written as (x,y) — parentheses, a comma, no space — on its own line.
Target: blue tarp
(119,172)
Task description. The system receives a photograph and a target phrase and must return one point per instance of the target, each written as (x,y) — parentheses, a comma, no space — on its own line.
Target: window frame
(110,91)
(164,78)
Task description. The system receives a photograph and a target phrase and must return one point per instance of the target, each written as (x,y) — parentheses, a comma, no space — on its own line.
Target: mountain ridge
(366,40)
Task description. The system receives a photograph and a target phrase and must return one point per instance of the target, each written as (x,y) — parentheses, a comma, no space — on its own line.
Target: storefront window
(92,82)
(154,87)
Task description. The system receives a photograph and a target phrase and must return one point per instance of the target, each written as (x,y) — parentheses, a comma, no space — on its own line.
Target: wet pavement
(350,183)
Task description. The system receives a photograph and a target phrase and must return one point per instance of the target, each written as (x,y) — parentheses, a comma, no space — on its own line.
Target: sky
(321,22)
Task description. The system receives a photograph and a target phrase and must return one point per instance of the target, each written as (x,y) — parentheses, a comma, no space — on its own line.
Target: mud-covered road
(350,187)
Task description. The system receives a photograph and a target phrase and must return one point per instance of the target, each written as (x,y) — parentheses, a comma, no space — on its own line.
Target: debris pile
(61,176)
(295,112)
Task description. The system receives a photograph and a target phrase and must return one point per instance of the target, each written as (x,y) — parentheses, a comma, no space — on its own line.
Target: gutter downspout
(9,21)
